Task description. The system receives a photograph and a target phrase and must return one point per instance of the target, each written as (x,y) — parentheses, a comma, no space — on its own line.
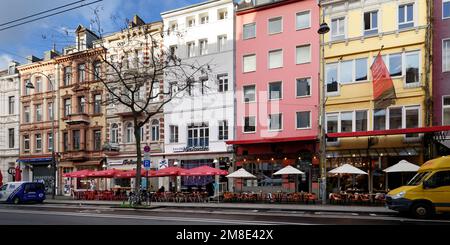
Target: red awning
(390,132)
(203,171)
(271,140)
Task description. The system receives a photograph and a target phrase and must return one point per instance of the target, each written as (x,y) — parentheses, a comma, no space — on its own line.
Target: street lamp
(216,189)
(53,163)
(323,29)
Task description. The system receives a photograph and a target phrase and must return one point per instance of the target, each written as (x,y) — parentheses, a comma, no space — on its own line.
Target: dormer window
(81,43)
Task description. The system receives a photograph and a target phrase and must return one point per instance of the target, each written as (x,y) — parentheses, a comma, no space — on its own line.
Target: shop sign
(191,148)
(129,161)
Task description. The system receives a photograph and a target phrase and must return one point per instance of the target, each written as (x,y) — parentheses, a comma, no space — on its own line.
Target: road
(56,214)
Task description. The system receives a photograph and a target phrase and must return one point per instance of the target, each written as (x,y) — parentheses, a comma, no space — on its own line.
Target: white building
(198,123)
(9,120)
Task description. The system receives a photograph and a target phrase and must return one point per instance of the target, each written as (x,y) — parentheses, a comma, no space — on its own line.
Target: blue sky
(39,36)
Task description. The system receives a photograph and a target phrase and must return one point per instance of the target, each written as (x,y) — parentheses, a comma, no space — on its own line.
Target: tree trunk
(137,137)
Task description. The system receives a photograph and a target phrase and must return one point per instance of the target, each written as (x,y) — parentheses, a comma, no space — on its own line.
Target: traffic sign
(146,148)
(147,164)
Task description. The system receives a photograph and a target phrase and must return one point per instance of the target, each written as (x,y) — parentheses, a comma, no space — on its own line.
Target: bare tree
(132,75)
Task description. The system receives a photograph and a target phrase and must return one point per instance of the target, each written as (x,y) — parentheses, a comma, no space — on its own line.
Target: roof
(271,140)
(190,6)
(390,132)
(437,163)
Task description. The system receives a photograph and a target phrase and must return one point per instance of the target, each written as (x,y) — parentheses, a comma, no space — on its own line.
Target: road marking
(226,221)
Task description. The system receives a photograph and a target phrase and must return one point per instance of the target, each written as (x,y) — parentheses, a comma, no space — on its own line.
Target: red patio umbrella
(1,178)
(132,173)
(78,174)
(108,173)
(18,175)
(170,171)
(203,171)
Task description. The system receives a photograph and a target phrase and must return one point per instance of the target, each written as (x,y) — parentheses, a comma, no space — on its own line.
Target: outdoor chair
(310,197)
(335,198)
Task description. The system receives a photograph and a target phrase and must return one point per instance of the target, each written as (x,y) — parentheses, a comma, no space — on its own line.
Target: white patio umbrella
(401,167)
(288,170)
(242,174)
(345,169)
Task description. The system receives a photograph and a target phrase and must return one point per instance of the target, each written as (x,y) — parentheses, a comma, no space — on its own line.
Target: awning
(375,152)
(204,171)
(432,129)
(271,140)
(42,160)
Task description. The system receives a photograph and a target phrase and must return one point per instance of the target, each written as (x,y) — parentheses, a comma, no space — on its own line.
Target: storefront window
(264,174)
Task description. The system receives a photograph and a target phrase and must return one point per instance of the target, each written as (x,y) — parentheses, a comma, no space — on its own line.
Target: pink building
(277,90)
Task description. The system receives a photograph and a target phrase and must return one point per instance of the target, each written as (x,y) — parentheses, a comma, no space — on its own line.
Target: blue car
(22,192)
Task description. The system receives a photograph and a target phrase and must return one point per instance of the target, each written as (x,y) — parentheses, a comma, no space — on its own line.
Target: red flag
(18,175)
(383,87)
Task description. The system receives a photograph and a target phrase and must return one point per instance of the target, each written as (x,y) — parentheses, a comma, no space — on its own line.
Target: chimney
(32,59)
(48,55)
(137,21)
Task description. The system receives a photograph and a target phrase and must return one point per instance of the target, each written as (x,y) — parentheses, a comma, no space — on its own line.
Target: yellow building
(358,31)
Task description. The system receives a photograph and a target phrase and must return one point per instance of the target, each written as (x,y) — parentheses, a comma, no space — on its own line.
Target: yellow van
(427,193)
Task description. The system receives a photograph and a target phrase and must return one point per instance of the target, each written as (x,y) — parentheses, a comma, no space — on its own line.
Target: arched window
(114,133)
(130,132)
(155,130)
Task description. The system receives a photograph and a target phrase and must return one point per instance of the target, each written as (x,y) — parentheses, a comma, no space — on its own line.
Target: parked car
(22,192)
(427,193)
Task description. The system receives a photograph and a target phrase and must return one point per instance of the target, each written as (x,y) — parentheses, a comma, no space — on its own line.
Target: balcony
(77,119)
(75,155)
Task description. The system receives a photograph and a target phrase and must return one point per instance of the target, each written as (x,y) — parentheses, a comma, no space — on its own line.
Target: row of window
(275,122)
(405,19)
(129,132)
(275,25)
(396,117)
(203,18)
(406,64)
(38,113)
(81,72)
(38,85)
(82,105)
(203,46)
(75,141)
(275,90)
(275,58)
(198,134)
(38,142)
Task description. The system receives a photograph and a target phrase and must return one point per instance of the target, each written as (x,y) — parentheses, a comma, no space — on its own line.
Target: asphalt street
(55,214)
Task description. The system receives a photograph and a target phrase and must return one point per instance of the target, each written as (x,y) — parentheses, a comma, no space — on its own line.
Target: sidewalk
(250,206)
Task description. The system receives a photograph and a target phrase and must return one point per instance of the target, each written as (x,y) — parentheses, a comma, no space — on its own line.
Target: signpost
(146,164)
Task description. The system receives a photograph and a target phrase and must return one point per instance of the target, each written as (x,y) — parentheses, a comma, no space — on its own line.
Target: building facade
(360,30)
(9,120)
(198,122)
(277,92)
(82,116)
(121,153)
(441,64)
(38,123)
